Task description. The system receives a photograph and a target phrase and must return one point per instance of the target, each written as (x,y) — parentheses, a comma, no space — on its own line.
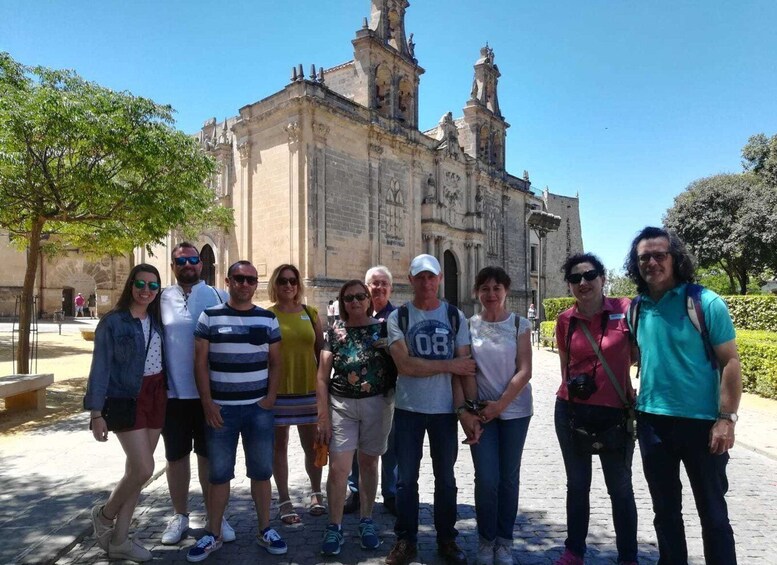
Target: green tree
(619,284)
(84,167)
(728,221)
(760,157)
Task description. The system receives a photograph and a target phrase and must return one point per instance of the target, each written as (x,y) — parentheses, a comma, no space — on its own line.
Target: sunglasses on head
(575,278)
(242,279)
(659,256)
(283,281)
(358,296)
(141,284)
(181,261)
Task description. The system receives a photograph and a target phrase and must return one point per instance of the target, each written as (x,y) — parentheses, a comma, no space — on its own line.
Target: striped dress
(296,402)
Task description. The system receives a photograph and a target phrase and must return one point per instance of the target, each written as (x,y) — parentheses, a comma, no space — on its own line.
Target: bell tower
(482,117)
(385,55)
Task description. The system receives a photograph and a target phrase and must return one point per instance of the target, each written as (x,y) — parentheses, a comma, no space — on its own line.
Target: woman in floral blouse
(355,408)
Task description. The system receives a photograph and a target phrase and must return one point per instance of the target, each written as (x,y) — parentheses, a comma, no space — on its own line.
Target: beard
(187,276)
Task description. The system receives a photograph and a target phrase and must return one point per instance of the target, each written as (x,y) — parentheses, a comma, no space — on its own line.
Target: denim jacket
(118,360)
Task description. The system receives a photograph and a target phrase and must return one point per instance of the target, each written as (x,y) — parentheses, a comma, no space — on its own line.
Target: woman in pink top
(588,401)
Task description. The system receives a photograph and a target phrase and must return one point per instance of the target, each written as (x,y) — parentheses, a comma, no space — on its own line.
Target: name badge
(618,316)
(304,317)
(225,330)
(441,331)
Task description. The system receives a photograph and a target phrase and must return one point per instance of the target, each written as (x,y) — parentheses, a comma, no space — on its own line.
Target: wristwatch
(460,409)
(728,416)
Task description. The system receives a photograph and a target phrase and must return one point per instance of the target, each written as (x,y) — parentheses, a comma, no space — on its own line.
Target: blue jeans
(616,466)
(410,428)
(255,424)
(388,477)
(665,441)
(497,459)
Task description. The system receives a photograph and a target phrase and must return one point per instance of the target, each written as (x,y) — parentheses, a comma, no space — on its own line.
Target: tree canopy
(760,157)
(86,167)
(728,221)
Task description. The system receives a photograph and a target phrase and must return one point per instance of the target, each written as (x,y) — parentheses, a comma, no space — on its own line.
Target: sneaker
(569,558)
(402,553)
(485,554)
(102,531)
(175,529)
(206,545)
(369,539)
(503,555)
(272,542)
(333,539)
(130,550)
(227,531)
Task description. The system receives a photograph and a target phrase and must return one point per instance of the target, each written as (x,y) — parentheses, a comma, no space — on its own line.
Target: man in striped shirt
(238,366)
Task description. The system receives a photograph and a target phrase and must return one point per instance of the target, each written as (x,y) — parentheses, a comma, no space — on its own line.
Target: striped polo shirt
(238,351)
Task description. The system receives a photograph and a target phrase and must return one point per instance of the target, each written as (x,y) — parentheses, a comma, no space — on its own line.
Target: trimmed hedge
(758,356)
(555,306)
(547,333)
(756,312)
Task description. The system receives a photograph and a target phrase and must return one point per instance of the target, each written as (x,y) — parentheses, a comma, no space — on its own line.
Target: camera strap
(603,361)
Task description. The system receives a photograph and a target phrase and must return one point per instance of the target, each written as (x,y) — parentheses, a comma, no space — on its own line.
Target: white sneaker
(485,553)
(503,555)
(175,529)
(129,550)
(227,531)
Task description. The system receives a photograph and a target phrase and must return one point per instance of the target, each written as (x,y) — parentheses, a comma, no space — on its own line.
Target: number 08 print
(431,339)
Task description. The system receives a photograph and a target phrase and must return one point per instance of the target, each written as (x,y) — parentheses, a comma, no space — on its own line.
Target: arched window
(484,145)
(405,100)
(395,207)
(208,265)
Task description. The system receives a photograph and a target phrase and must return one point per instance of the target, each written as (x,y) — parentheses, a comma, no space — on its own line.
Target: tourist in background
(355,408)
(589,405)
(501,347)
(126,395)
(302,339)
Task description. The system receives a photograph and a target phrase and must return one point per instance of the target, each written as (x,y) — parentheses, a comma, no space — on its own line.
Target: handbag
(119,413)
(615,437)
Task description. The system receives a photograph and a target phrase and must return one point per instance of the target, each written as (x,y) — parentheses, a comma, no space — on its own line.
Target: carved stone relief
(395,214)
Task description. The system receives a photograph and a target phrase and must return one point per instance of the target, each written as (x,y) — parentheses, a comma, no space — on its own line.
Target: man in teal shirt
(687,406)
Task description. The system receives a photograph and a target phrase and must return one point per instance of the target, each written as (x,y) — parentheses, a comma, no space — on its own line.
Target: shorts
(361,423)
(151,403)
(184,427)
(255,425)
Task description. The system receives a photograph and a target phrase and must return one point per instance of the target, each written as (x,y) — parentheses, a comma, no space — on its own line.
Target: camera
(581,386)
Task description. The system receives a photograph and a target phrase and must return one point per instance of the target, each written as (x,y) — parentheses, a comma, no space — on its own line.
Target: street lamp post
(542,223)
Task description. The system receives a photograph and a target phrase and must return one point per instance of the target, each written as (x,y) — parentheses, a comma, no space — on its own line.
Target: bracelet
(96,417)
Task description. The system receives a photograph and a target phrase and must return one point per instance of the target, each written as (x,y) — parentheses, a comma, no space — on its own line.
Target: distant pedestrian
(330,313)
(237,364)
(689,395)
(126,395)
(79,303)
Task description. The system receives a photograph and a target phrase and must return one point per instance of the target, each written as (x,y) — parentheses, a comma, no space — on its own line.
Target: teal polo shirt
(677,379)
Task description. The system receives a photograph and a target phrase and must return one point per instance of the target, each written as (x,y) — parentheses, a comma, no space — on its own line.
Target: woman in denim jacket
(127,364)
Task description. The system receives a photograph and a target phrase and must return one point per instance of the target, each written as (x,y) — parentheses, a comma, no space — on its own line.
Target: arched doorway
(208,265)
(67,301)
(451,279)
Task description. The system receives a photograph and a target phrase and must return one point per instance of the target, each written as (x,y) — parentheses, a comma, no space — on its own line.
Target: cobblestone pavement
(539,530)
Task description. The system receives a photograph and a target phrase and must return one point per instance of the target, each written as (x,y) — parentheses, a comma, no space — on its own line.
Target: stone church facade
(333,174)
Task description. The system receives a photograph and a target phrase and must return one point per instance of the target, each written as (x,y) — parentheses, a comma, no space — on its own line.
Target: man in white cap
(429,342)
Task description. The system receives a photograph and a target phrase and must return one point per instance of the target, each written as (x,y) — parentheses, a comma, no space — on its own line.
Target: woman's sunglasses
(283,281)
(575,278)
(181,261)
(351,297)
(141,284)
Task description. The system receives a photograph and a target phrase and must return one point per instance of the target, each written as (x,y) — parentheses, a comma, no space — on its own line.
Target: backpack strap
(696,314)
(453,319)
(403,316)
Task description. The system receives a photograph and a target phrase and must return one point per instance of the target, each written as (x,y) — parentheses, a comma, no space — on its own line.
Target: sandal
(289,518)
(316,508)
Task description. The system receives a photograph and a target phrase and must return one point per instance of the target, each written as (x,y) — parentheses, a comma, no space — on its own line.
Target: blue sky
(622,102)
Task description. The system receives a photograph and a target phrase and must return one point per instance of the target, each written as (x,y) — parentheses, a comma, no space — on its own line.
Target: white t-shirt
(179,316)
(429,336)
(494,348)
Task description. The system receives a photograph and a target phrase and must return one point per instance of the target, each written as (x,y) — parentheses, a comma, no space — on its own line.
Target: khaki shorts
(361,423)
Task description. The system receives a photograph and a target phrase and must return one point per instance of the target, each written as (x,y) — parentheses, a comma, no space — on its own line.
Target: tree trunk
(743,280)
(25,306)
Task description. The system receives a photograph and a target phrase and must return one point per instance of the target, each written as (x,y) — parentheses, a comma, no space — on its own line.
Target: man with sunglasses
(184,428)
(689,394)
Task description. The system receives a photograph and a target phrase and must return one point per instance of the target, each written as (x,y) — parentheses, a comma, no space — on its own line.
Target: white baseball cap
(425,262)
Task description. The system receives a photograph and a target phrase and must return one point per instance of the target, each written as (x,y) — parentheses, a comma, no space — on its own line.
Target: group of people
(202,368)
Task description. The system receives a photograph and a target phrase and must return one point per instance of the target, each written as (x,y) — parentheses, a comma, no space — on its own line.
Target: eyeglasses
(575,278)
(351,297)
(379,284)
(141,284)
(283,281)
(659,256)
(243,279)
(181,261)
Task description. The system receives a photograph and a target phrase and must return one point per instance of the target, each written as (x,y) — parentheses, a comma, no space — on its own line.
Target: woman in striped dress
(301,342)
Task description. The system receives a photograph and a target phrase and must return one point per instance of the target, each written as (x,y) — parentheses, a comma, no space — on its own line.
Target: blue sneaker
(206,545)
(333,539)
(272,542)
(369,539)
